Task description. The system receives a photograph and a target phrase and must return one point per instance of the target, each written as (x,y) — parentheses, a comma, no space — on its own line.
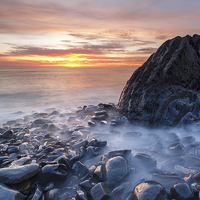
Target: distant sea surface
(28,90)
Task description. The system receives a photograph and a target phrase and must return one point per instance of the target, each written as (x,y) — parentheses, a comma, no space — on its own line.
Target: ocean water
(27,90)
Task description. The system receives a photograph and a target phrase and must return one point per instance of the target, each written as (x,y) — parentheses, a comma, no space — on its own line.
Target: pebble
(17,174)
(181,191)
(94,153)
(9,194)
(149,190)
(116,169)
(100,191)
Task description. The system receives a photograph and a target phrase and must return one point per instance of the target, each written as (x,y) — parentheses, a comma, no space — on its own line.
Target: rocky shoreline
(94,153)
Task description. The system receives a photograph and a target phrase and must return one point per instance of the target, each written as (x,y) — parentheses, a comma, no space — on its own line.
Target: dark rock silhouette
(165,90)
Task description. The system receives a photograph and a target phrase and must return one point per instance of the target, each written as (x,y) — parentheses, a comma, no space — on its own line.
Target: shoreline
(74,155)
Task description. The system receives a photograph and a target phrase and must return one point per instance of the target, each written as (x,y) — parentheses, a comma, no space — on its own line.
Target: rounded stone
(181,191)
(116,169)
(176,149)
(149,190)
(143,161)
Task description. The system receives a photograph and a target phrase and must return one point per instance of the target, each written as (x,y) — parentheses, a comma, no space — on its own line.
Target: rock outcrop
(165,90)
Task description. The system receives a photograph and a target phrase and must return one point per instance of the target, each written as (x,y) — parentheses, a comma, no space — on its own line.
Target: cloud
(149,50)
(32,16)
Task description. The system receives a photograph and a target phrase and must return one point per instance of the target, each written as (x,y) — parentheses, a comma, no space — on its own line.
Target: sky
(90,33)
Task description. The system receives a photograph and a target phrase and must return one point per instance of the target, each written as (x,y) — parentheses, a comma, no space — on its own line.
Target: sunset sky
(90,33)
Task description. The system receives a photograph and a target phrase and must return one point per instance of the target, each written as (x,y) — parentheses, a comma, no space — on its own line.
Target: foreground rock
(18,174)
(115,160)
(165,90)
(7,193)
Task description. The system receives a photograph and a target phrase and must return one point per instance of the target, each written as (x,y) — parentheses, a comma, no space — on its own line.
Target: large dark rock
(165,90)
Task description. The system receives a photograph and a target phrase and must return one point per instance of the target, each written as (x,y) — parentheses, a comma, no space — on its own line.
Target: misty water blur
(27,90)
(36,89)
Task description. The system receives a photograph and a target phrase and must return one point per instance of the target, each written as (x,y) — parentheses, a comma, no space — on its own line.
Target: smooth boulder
(18,174)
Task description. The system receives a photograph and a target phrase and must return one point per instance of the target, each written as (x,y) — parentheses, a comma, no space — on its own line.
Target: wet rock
(188,140)
(126,153)
(98,118)
(48,187)
(94,151)
(80,143)
(20,161)
(172,137)
(13,149)
(97,143)
(55,173)
(132,135)
(8,134)
(3,158)
(196,177)
(38,193)
(176,149)
(81,194)
(80,169)
(9,194)
(143,161)
(167,181)
(18,174)
(171,162)
(181,191)
(100,191)
(20,135)
(103,122)
(191,161)
(99,173)
(150,190)
(23,186)
(53,194)
(91,123)
(63,160)
(100,113)
(86,185)
(116,169)
(55,112)
(77,134)
(42,121)
(165,89)
(121,192)
(90,109)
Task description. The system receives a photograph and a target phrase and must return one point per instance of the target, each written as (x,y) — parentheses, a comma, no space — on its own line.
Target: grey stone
(167,180)
(176,149)
(80,169)
(42,121)
(100,191)
(86,185)
(38,193)
(143,161)
(121,192)
(20,135)
(81,194)
(181,191)
(18,174)
(116,169)
(8,134)
(97,143)
(132,135)
(7,193)
(98,173)
(94,151)
(165,90)
(55,173)
(150,190)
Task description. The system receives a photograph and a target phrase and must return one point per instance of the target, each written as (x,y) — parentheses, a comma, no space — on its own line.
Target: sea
(25,90)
